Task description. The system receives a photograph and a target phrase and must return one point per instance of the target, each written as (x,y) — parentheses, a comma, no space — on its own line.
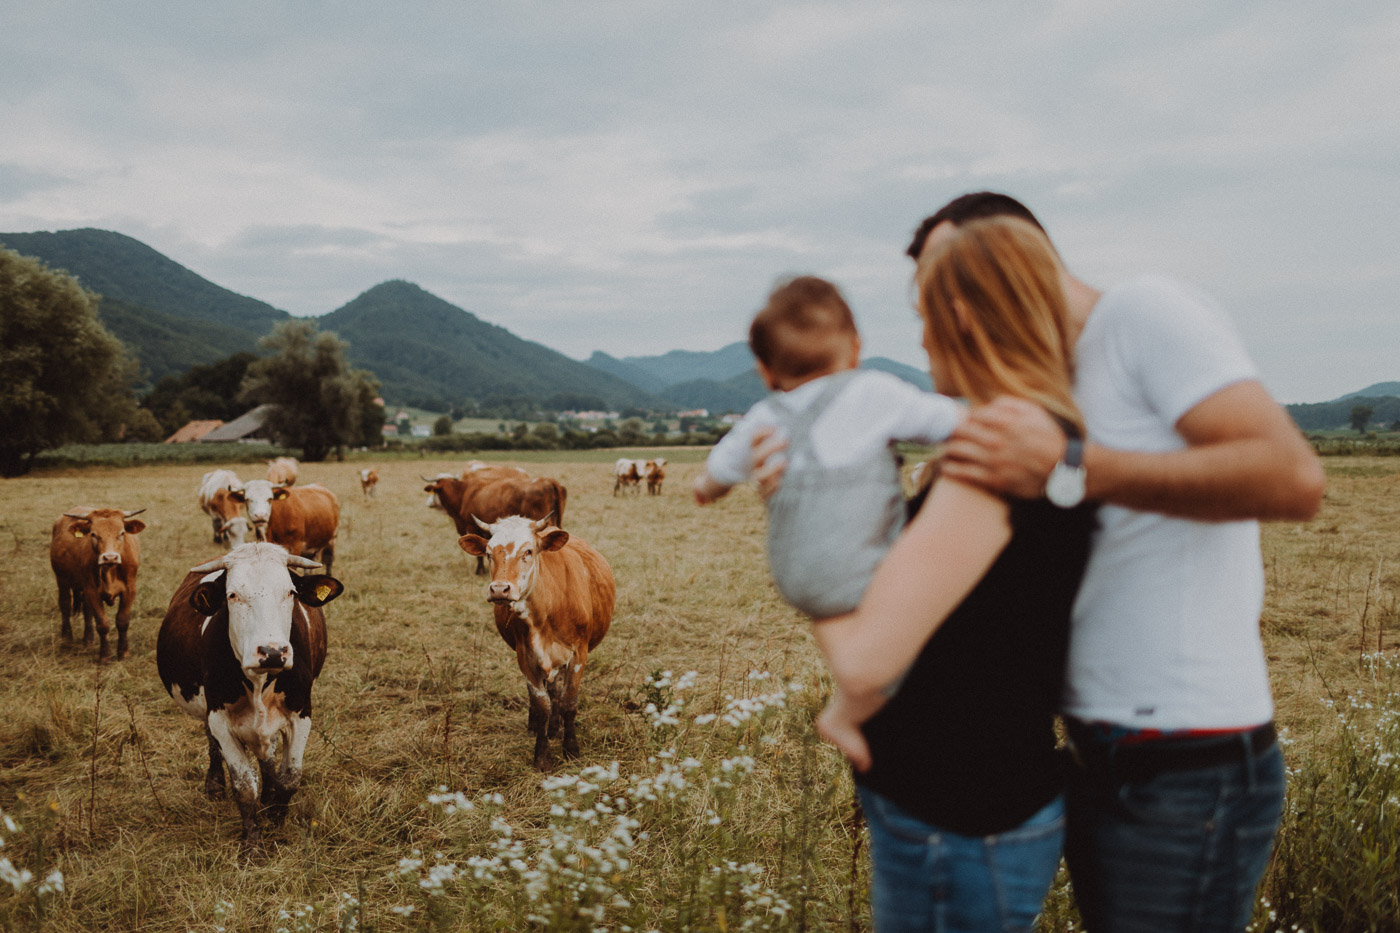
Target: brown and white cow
(369,481)
(216,501)
(95,555)
(242,642)
(282,471)
(627,475)
(495,492)
(553,596)
(303,519)
(655,471)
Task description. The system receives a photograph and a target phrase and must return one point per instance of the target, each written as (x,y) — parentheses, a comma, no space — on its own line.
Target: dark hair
(793,334)
(973,206)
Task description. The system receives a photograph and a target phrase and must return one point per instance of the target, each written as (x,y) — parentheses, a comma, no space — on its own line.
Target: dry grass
(419,691)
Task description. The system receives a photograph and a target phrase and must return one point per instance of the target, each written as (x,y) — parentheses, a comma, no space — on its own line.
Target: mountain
(1336,414)
(627,372)
(687,365)
(171,317)
(428,352)
(1379,390)
(911,375)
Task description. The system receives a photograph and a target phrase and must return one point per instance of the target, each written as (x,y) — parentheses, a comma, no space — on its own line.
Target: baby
(840,506)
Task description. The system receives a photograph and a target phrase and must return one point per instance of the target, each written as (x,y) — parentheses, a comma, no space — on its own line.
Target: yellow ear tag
(79,534)
(323,591)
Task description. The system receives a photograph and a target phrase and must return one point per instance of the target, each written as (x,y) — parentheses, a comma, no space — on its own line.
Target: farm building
(193,431)
(249,426)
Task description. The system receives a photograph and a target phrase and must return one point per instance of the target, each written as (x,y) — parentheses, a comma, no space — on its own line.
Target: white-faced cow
(242,642)
(553,597)
(303,519)
(216,501)
(627,475)
(369,481)
(95,555)
(282,471)
(492,493)
(655,473)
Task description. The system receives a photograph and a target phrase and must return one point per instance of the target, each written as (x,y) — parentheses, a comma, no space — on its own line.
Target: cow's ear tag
(318,590)
(79,534)
(324,591)
(207,598)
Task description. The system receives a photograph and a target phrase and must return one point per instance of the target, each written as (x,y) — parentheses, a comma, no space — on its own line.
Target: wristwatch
(1065,485)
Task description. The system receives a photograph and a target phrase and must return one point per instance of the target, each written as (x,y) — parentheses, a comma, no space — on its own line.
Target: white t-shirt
(1166,625)
(874,409)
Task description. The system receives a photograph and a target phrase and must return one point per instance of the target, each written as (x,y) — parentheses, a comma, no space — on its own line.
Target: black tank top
(968,741)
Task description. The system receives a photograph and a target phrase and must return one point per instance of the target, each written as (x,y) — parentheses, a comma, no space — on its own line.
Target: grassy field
(420,809)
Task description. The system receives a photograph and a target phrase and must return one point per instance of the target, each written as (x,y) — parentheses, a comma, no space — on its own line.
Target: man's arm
(1244,459)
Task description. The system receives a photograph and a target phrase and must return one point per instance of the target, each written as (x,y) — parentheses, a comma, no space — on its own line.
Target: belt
(1143,760)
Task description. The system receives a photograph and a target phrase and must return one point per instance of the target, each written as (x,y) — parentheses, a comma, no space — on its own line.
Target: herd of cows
(244,636)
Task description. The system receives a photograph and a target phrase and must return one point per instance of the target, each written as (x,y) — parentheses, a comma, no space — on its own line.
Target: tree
(1360,414)
(63,377)
(319,403)
(442,426)
(205,392)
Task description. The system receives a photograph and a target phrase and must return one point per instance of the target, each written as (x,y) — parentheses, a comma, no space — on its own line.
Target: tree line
(64,378)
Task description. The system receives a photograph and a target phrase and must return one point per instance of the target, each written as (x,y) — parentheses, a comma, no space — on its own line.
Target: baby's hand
(837,726)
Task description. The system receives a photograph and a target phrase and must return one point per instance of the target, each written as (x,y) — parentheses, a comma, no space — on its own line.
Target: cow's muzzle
(500,593)
(274,657)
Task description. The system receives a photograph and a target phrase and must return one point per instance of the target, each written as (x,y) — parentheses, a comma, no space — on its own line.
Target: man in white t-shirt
(1179,786)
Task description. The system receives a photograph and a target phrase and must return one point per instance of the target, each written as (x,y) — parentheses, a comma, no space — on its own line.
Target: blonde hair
(991,298)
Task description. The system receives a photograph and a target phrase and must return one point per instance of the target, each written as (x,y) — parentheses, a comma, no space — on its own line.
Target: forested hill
(171,317)
(426,351)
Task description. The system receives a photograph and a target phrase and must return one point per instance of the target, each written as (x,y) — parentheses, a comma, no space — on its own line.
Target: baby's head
(805,331)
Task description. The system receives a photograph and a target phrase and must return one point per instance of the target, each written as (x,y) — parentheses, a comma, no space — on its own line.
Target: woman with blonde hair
(949,674)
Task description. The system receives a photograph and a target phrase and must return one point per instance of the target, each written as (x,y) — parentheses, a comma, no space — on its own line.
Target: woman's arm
(931,568)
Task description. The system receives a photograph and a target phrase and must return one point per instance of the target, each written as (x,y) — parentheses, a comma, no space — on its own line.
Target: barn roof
(193,431)
(248,424)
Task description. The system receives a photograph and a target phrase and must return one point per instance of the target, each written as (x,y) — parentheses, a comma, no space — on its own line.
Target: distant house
(193,431)
(731,419)
(249,426)
(422,430)
(694,413)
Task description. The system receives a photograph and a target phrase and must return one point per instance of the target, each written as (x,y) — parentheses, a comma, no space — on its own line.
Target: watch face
(1065,487)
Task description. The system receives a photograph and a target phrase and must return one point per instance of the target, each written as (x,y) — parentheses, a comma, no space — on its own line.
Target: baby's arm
(923,417)
(708,489)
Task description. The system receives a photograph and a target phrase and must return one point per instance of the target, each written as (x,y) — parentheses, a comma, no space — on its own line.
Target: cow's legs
(568,706)
(214,784)
(281,782)
(104,650)
(556,690)
(480,566)
(123,620)
(218,530)
(65,610)
(243,776)
(89,630)
(540,716)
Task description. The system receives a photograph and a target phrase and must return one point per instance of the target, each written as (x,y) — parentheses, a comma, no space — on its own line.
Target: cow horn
(80,512)
(428,479)
(543,523)
(482,525)
(215,564)
(305,563)
(130,514)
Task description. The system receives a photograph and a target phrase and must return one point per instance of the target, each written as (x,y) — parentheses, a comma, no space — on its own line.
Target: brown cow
(655,473)
(303,519)
(369,480)
(492,493)
(216,501)
(282,471)
(553,597)
(241,644)
(95,555)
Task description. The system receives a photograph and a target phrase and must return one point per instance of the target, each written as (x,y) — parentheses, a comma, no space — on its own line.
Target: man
(1179,786)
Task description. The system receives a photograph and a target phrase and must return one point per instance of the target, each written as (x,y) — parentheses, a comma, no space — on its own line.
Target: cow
(282,471)
(433,501)
(627,474)
(655,472)
(495,492)
(242,642)
(230,527)
(369,481)
(303,519)
(553,597)
(95,555)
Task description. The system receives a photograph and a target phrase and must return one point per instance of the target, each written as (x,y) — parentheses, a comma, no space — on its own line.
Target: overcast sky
(632,176)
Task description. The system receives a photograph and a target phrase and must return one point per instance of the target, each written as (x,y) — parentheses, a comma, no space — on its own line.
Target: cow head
(261,594)
(434,488)
(105,531)
(257,495)
(514,545)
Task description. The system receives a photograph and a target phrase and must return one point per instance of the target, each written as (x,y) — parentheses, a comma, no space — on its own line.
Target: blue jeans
(1174,852)
(928,879)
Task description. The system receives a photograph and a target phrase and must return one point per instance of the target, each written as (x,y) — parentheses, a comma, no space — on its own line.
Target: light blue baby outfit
(828,528)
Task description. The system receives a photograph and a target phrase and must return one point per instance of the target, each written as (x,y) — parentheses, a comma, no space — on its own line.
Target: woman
(949,673)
